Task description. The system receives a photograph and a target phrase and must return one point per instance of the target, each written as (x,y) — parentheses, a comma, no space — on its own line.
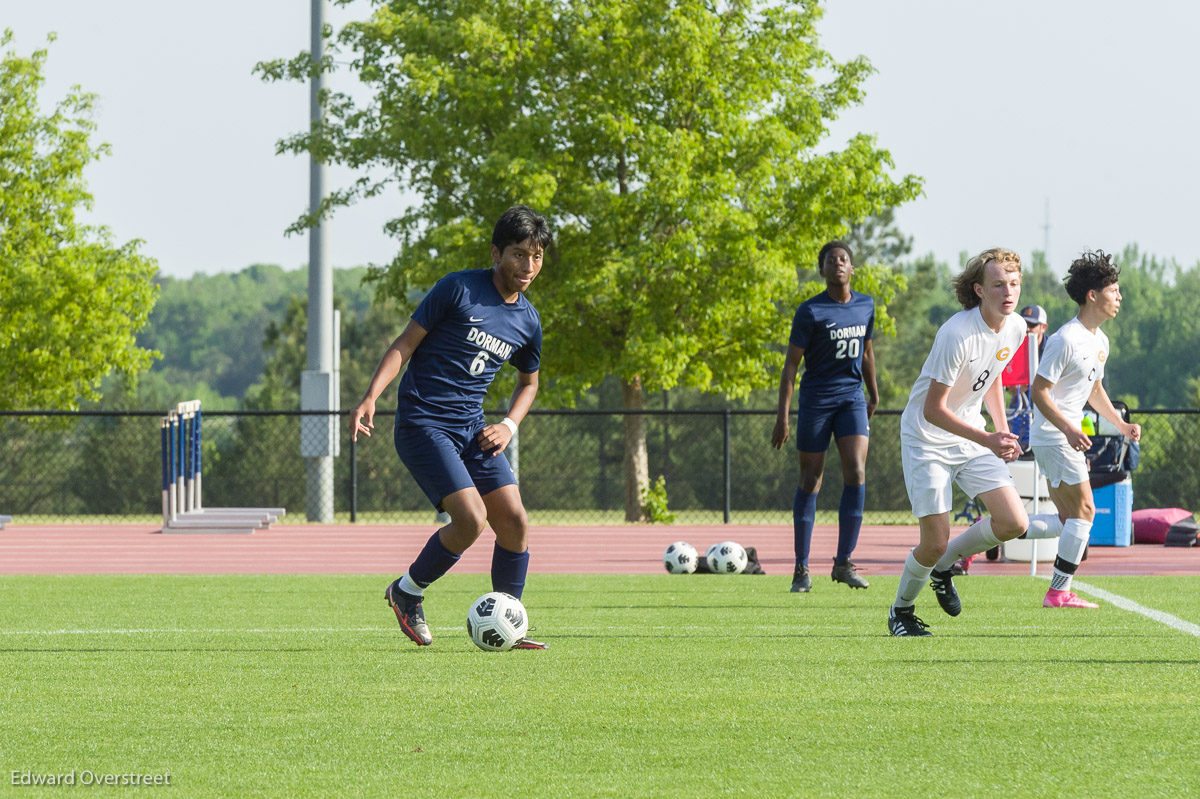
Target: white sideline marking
(1150,613)
(151,631)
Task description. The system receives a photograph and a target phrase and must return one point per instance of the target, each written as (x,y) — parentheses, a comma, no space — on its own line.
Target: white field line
(175,630)
(1113,599)
(384,628)
(1128,604)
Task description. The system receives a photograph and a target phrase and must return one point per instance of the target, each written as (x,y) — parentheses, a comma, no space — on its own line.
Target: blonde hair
(964,284)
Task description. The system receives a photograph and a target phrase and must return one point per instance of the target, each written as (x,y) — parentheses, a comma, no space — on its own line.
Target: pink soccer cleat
(1065,599)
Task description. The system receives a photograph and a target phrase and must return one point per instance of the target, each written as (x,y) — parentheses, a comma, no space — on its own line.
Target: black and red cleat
(410,614)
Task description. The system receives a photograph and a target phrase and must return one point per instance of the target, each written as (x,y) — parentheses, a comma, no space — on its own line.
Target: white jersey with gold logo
(968,356)
(1073,361)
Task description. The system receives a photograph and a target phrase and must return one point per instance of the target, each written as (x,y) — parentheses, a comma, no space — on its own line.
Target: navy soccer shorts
(816,425)
(443,461)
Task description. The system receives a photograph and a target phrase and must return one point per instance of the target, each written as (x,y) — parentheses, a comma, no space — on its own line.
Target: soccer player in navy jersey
(832,334)
(461,333)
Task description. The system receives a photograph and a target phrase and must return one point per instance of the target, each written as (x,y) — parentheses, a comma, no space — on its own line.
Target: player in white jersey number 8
(944,439)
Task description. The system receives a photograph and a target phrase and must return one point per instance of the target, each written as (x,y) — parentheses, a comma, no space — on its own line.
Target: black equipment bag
(1182,534)
(1113,453)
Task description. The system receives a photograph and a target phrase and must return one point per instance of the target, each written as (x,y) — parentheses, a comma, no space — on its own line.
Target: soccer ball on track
(680,558)
(727,557)
(497,621)
(708,552)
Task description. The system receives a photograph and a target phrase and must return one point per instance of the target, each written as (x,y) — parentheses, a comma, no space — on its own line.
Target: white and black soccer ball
(727,557)
(681,558)
(497,621)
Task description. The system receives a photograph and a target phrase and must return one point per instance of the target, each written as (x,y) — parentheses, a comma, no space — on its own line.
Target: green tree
(925,304)
(364,335)
(879,240)
(71,302)
(673,144)
(1154,336)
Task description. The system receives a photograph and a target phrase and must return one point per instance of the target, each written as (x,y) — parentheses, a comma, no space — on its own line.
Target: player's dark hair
(833,245)
(1092,270)
(518,224)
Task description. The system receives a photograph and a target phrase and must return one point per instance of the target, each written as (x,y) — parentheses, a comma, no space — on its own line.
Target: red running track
(378,549)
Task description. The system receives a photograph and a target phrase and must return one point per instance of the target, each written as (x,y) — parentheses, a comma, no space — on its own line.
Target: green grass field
(653,686)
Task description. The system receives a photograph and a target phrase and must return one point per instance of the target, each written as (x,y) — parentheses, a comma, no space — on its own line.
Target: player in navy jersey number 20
(461,333)
(831,333)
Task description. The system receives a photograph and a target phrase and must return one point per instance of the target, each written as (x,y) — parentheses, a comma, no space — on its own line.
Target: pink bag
(1150,525)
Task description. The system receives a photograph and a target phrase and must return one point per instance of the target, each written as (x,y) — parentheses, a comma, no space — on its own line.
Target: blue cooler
(1113,525)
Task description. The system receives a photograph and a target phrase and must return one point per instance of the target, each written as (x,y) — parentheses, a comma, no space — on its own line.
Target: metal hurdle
(182,482)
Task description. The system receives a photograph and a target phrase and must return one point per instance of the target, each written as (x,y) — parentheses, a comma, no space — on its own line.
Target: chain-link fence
(718,466)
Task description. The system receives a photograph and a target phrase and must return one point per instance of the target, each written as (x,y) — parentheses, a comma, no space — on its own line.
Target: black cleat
(410,614)
(942,584)
(844,572)
(801,582)
(904,621)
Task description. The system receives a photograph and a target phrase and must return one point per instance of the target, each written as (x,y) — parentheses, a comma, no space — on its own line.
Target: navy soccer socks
(509,570)
(850,515)
(804,514)
(433,561)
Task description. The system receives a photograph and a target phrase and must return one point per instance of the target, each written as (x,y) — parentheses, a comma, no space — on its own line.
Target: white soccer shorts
(1061,464)
(931,472)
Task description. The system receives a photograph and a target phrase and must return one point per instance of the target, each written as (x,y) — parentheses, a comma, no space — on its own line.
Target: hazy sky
(1088,105)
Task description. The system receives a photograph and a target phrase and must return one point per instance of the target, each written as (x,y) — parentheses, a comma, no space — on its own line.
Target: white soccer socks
(1044,525)
(975,539)
(408,586)
(912,580)
(1071,544)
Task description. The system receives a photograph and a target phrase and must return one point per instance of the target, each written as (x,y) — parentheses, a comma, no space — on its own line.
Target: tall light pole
(319,383)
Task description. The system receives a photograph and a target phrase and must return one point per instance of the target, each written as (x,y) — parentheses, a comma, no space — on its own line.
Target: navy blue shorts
(444,461)
(816,425)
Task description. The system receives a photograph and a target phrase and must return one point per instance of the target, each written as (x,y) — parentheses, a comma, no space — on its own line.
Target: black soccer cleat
(904,621)
(410,614)
(844,572)
(801,582)
(942,584)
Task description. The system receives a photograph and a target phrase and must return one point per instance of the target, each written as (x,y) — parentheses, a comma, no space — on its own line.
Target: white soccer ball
(727,557)
(497,621)
(680,558)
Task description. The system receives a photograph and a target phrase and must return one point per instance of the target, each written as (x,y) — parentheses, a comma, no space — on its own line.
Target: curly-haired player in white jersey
(944,440)
(1069,376)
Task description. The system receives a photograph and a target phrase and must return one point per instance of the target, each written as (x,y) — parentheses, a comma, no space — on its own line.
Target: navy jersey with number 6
(470,332)
(833,336)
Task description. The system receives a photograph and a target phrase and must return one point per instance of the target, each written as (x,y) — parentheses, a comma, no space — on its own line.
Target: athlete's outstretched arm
(362,419)
(868,370)
(1103,405)
(787,383)
(494,438)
